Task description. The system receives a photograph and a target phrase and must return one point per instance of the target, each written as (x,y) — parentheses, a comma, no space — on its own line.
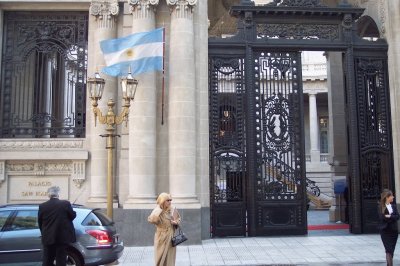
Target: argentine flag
(140,52)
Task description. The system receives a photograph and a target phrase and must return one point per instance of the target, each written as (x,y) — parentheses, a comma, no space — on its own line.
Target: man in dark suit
(55,222)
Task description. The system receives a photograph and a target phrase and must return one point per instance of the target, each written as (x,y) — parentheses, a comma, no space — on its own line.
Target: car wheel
(73,259)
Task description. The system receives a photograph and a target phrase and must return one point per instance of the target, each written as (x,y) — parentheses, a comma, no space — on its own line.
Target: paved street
(301,250)
(318,248)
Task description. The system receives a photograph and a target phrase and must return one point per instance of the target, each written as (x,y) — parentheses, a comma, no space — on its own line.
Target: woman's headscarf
(161,199)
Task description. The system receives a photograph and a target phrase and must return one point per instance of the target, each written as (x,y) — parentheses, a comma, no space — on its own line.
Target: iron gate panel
(280,170)
(227,147)
(373,104)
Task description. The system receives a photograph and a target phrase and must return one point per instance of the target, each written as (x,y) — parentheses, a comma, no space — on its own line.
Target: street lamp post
(96,88)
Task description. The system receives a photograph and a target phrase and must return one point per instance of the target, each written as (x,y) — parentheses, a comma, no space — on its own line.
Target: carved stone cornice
(27,145)
(105,11)
(182,8)
(143,6)
(76,169)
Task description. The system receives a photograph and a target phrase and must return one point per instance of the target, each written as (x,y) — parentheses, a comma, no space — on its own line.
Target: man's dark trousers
(55,252)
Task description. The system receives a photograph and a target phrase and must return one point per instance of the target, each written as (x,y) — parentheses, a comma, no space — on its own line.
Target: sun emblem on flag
(130,53)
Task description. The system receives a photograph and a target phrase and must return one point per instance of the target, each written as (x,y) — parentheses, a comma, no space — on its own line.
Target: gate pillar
(337,131)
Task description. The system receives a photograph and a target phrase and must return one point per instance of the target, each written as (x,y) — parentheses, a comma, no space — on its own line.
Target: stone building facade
(164,146)
(152,155)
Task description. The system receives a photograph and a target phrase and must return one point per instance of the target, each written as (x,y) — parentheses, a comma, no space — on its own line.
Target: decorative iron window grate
(43,75)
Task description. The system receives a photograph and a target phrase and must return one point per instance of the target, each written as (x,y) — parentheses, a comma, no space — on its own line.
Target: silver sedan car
(20,239)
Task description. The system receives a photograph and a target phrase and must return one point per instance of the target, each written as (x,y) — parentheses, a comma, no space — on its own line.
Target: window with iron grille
(43,78)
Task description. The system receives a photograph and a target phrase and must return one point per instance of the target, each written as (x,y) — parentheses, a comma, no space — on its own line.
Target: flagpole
(163,79)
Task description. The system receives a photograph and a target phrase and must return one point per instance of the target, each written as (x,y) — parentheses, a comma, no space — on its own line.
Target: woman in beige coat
(165,218)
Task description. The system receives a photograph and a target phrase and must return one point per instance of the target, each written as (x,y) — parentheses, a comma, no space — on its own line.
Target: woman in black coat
(388,224)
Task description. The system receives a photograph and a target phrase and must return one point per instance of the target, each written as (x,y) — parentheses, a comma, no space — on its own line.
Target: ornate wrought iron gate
(257,164)
(374,137)
(279,195)
(228,159)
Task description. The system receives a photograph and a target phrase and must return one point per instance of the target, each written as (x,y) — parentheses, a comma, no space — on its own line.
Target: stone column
(105,13)
(390,16)
(182,103)
(314,147)
(142,121)
(337,130)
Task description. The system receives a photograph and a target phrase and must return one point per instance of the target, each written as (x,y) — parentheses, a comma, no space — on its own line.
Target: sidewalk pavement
(295,250)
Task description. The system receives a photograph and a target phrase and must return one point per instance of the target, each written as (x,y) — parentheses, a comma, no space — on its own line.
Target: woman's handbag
(179,237)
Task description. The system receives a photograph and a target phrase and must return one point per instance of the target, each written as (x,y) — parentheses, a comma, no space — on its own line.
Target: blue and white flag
(140,52)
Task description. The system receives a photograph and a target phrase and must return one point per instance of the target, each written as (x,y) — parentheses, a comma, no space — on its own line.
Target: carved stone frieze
(298,31)
(39,168)
(20,167)
(297,3)
(104,9)
(25,145)
(75,169)
(58,167)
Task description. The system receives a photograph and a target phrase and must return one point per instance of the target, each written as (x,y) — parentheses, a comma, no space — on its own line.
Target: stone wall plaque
(33,189)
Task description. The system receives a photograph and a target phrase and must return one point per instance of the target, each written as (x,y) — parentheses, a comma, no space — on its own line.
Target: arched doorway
(258,183)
